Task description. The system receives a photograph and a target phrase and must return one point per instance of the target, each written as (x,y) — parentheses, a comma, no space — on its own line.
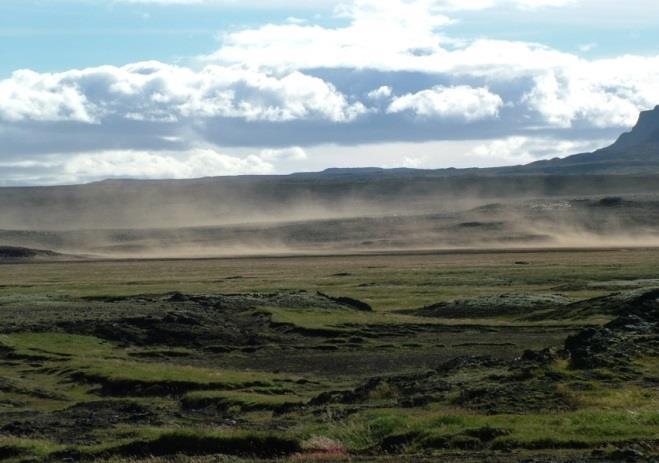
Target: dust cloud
(299,215)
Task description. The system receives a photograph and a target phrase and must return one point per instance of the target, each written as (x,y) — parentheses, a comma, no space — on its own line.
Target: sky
(96,89)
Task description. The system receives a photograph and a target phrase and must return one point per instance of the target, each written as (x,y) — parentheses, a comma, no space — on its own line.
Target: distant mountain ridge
(629,166)
(634,152)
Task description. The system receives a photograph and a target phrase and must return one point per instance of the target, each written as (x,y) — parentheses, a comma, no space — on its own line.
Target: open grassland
(390,281)
(498,356)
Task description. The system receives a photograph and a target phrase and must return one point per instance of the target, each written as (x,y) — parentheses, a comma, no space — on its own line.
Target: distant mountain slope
(646,132)
(634,152)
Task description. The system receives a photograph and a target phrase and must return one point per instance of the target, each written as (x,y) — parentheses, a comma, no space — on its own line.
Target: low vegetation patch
(239,401)
(121,378)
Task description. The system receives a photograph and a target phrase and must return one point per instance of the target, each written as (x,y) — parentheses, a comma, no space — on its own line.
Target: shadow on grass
(190,443)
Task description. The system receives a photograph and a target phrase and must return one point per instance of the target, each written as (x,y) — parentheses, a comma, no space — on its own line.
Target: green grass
(628,397)
(119,370)
(14,448)
(386,282)
(587,428)
(244,400)
(58,345)
(334,318)
(99,358)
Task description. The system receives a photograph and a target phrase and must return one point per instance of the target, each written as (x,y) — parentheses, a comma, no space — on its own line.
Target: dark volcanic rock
(544,356)
(618,342)
(217,323)
(514,398)
(646,130)
(19,253)
(414,389)
(632,323)
(349,302)
(597,348)
(491,306)
(78,424)
(463,362)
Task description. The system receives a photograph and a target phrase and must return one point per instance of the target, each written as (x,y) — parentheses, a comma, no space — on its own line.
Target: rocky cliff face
(645,131)
(634,153)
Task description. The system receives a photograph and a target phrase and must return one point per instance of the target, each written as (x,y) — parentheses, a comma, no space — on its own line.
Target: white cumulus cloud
(601,93)
(410,36)
(160,92)
(462,102)
(380,93)
(29,95)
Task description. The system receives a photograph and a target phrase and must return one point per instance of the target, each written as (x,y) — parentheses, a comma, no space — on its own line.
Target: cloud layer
(382,71)
(159,92)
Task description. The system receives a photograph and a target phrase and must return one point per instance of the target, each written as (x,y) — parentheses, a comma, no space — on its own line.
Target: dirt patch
(269,447)
(79,423)
(113,387)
